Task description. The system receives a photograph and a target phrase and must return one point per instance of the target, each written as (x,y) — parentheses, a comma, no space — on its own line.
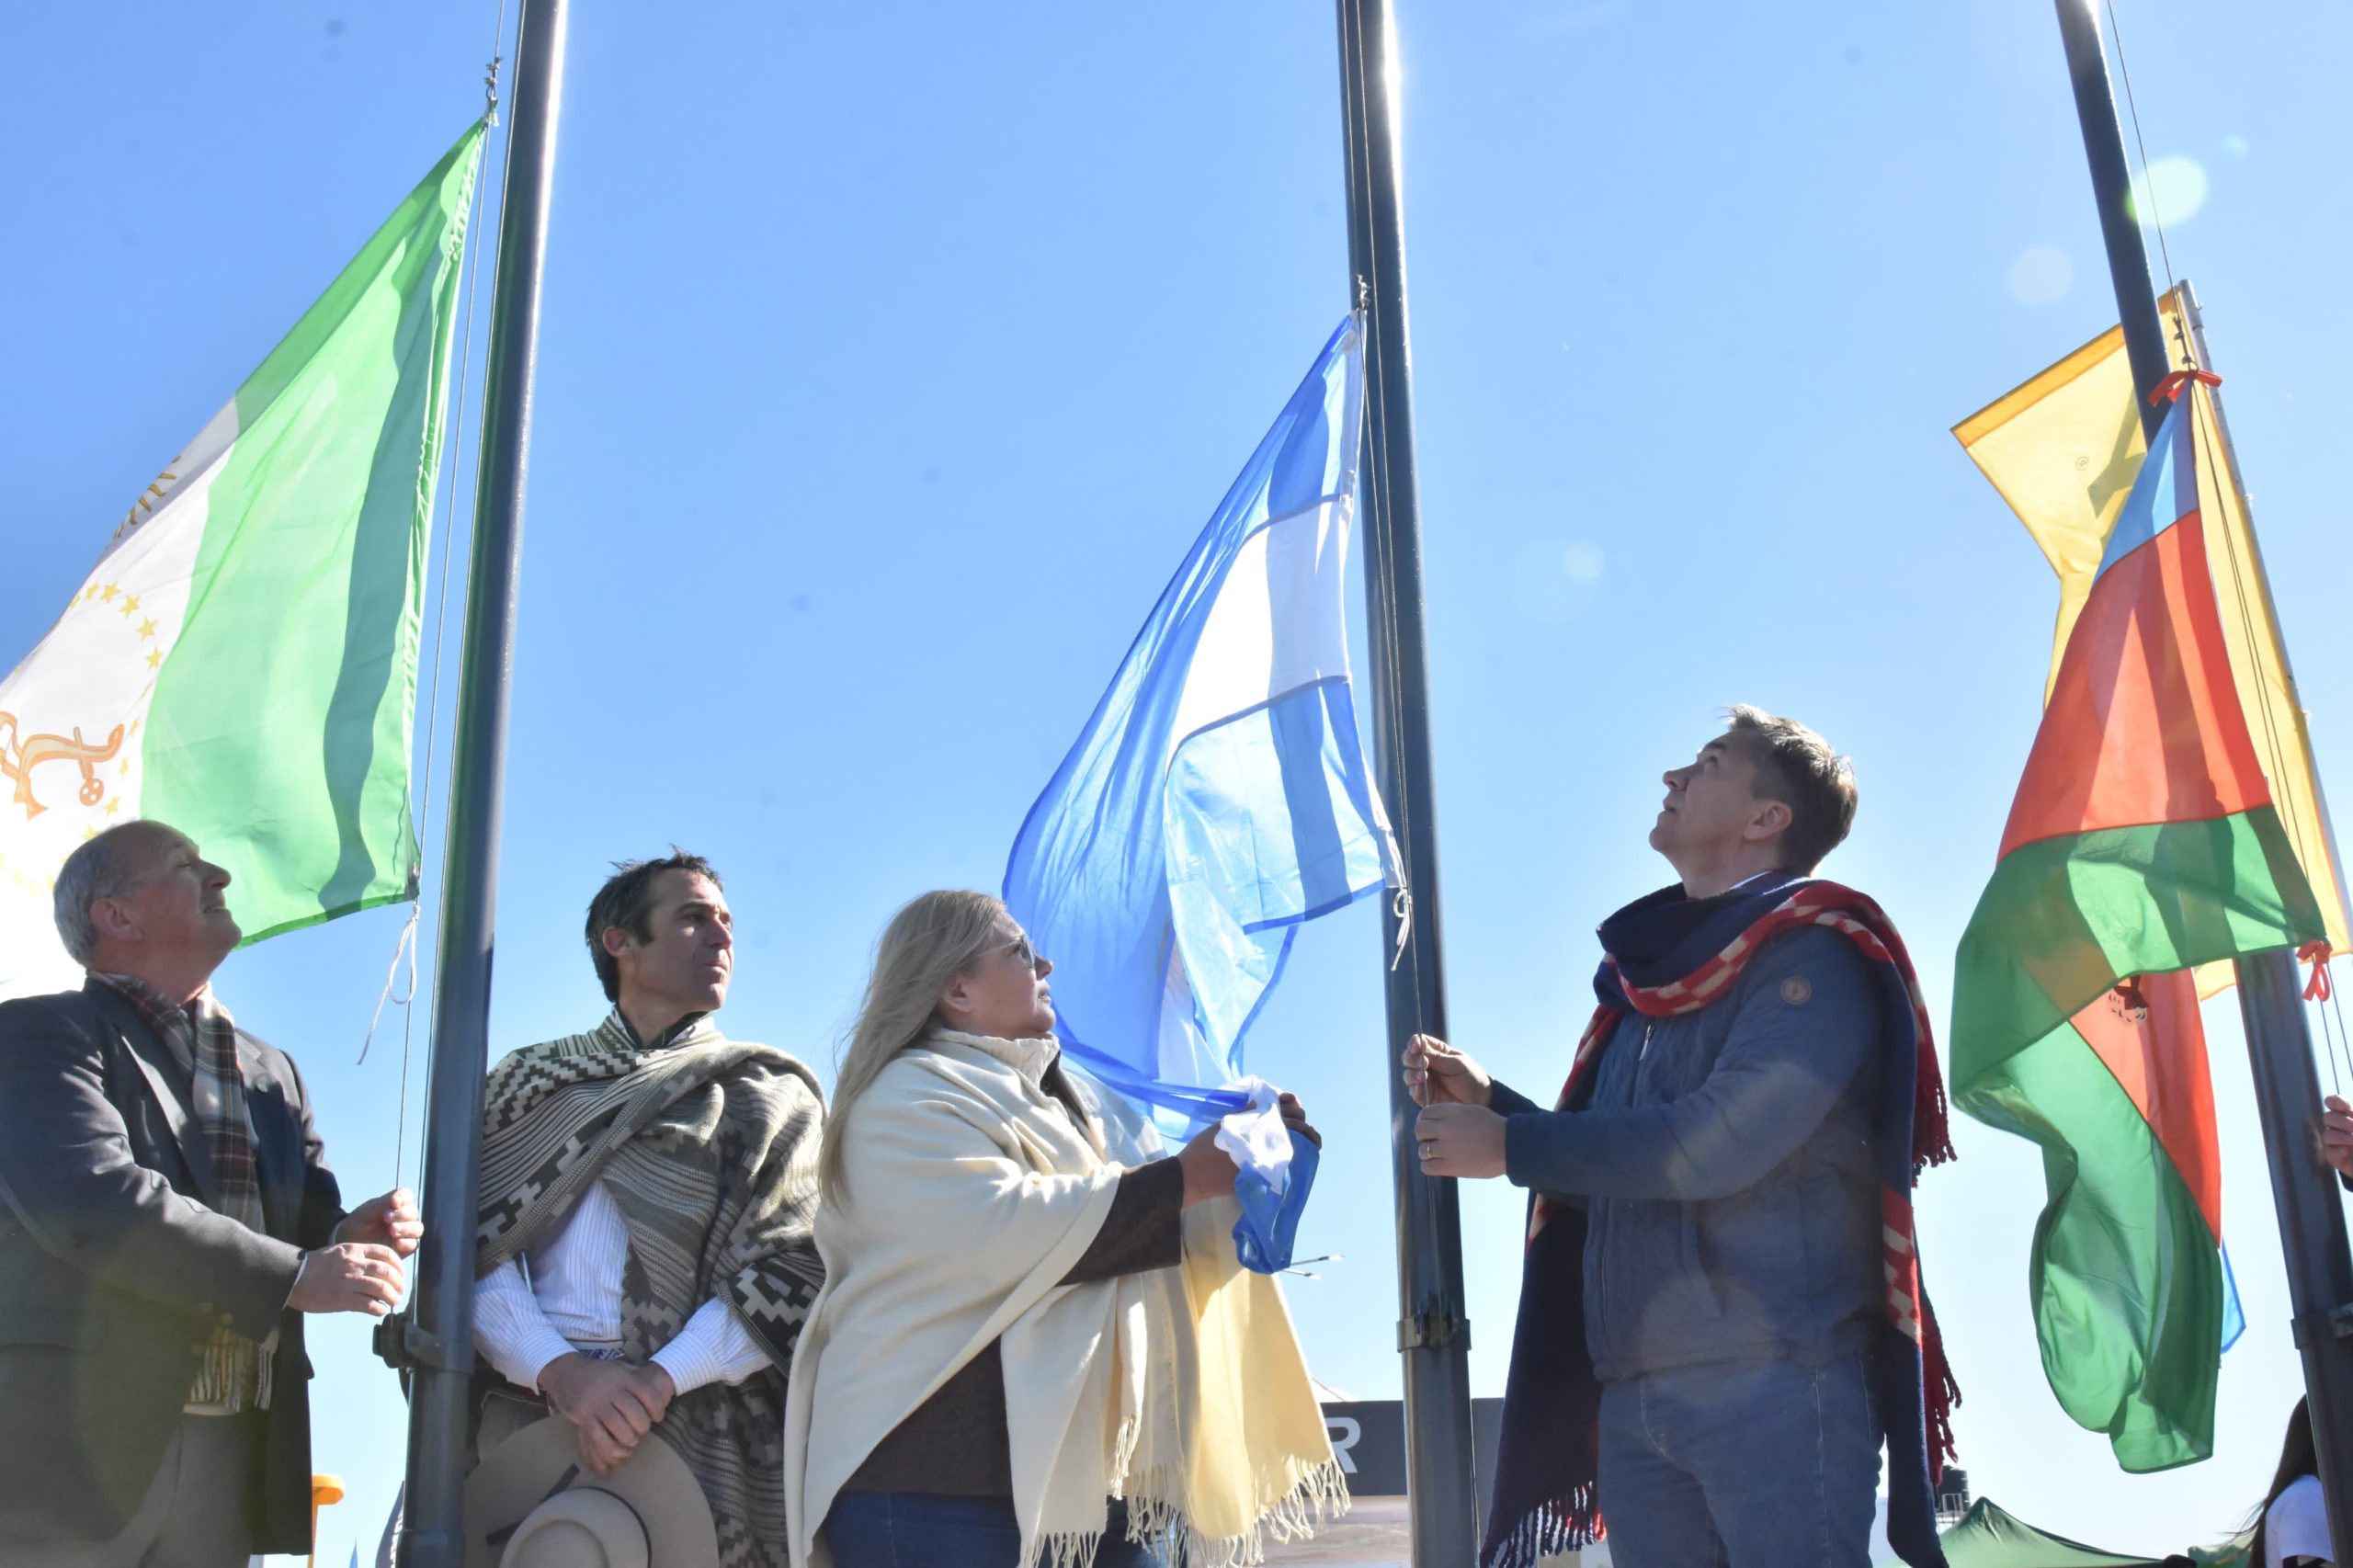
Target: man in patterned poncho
(643,1252)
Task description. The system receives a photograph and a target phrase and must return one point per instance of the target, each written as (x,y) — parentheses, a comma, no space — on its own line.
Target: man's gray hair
(98,868)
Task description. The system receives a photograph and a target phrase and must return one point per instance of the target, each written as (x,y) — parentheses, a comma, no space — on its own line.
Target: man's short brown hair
(1797,767)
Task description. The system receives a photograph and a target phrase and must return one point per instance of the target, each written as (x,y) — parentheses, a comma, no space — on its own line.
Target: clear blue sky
(893,354)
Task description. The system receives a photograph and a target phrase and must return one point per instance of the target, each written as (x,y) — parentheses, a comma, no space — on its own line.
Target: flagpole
(1434,1329)
(2119,226)
(2278,1039)
(439,1342)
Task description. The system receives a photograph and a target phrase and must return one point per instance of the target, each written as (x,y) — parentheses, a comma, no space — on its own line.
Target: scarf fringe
(1564,1524)
(1308,1508)
(1939,1391)
(232,1373)
(1931,1117)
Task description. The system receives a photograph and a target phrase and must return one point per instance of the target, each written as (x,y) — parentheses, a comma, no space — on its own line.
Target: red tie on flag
(2169,389)
(2317,954)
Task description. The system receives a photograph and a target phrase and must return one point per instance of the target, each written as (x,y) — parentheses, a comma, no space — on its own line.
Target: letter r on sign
(1344,1432)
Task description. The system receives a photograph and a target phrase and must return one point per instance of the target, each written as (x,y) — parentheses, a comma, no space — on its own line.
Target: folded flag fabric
(242,661)
(1277,1171)
(1254,1137)
(1219,797)
(1270,1212)
(2143,843)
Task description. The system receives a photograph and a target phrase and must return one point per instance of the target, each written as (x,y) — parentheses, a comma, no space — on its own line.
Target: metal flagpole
(1433,1330)
(2311,1219)
(439,1342)
(2120,228)
(2278,1041)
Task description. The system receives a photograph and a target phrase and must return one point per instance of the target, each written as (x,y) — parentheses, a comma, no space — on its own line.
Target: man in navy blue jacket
(1722,1157)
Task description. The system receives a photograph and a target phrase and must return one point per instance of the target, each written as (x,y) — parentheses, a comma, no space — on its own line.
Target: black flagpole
(439,1342)
(1433,1330)
(2120,229)
(2278,1041)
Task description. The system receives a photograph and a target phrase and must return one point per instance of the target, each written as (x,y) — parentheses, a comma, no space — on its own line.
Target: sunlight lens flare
(2042,275)
(2170,190)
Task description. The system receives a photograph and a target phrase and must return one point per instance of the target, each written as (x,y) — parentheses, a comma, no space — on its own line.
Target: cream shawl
(971,1193)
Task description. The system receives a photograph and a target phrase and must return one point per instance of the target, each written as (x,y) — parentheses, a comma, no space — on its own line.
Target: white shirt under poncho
(572,1300)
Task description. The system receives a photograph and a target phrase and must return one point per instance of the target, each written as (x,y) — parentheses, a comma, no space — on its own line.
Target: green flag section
(242,661)
(2143,843)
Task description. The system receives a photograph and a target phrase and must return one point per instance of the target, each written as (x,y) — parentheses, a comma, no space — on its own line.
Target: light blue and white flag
(1219,795)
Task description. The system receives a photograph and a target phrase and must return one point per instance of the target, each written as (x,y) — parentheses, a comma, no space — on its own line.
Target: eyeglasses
(1023,953)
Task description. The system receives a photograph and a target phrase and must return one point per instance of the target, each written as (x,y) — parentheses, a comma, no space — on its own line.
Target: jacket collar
(166,1079)
(276,1140)
(1029,1058)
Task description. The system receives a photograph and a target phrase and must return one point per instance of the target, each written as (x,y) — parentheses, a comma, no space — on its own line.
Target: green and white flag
(242,662)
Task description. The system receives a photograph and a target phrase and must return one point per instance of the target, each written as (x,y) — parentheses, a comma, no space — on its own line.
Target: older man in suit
(166,1219)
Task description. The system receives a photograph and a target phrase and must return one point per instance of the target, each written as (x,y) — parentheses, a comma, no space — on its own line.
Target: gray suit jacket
(114,1269)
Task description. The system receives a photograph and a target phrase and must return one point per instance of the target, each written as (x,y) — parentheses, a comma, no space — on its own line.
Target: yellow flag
(2259,665)
(2063,451)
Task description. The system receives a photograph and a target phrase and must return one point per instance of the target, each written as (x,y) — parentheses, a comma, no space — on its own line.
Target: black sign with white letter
(1368,1437)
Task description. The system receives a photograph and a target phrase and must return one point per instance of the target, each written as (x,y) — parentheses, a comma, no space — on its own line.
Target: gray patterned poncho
(710,1147)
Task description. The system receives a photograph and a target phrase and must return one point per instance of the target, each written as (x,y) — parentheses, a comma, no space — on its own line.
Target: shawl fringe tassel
(1310,1506)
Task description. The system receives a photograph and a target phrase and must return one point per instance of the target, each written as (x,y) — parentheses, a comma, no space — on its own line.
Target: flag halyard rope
(409,943)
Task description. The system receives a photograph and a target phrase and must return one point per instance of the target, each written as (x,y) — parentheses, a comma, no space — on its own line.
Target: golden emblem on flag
(20,753)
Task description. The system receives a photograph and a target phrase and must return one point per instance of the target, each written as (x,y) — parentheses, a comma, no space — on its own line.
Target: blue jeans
(1751,1466)
(919,1529)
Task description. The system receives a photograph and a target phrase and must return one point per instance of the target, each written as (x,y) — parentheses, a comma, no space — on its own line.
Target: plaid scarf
(233,1375)
(710,1147)
(1667,954)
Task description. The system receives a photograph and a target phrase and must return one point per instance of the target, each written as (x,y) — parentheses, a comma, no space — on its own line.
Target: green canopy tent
(1989,1536)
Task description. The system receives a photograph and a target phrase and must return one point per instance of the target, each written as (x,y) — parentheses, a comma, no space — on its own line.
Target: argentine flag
(1219,796)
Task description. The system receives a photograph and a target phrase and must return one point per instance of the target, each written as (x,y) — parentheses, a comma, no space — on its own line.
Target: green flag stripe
(2125,1278)
(279,733)
(2064,919)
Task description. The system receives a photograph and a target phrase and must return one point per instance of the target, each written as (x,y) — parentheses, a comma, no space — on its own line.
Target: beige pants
(504,1415)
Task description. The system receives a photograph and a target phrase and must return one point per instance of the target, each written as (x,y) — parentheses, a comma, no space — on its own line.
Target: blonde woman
(1033,1345)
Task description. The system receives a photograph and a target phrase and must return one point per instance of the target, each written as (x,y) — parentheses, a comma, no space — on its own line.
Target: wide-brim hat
(532,1503)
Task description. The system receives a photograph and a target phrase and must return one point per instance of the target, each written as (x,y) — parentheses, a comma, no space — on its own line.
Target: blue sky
(893,354)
